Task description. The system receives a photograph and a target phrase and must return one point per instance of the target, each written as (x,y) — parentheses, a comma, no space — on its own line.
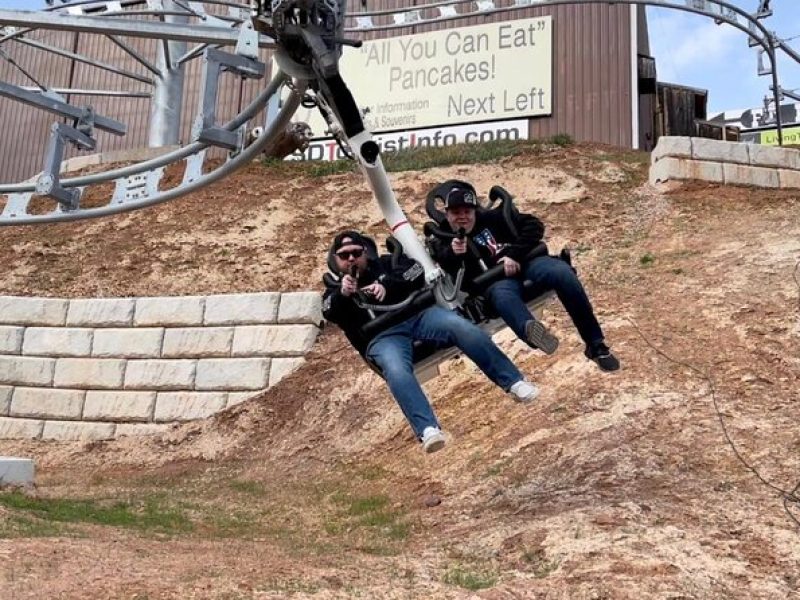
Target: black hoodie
(400,281)
(493,239)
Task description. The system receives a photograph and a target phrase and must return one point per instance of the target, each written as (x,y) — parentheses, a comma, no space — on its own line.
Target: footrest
(428,367)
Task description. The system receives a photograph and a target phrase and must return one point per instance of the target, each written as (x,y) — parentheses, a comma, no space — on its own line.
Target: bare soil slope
(609,486)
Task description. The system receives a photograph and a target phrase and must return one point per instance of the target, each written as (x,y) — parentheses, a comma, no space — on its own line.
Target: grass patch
(498,467)
(421,157)
(562,140)
(398,531)
(378,549)
(224,524)
(323,168)
(470,578)
(494,470)
(415,159)
(301,540)
(475,458)
(21,526)
(252,488)
(151,514)
(631,157)
(377,526)
(647,259)
(367,506)
(333,527)
(374,512)
(293,586)
(320,517)
(540,564)
(373,473)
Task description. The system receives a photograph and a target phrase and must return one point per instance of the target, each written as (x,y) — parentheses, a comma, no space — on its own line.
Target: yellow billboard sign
(791,135)
(464,75)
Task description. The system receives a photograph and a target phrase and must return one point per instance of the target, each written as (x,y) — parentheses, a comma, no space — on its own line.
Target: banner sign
(754,118)
(480,73)
(432,137)
(769,137)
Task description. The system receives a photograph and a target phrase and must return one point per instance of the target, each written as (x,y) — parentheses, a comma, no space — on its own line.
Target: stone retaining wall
(101,368)
(734,163)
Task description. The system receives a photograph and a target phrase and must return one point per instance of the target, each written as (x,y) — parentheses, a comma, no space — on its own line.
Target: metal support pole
(368,157)
(367,153)
(165,109)
(205,128)
(56,105)
(197,33)
(776,90)
(49,183)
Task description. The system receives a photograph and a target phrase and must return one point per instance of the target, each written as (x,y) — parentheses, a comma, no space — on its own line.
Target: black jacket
(493,239)
(407,277)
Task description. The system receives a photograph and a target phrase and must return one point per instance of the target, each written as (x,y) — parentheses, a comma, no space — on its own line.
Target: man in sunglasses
(494,242)
(361,278)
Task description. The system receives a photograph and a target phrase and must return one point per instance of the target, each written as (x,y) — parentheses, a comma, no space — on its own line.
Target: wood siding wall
(591,83)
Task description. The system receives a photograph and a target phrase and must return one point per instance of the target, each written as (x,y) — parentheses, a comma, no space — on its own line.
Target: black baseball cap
(352,237)
(459,196)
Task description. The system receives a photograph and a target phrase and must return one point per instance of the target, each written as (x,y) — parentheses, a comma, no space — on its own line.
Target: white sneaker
(524,391)
(432,439)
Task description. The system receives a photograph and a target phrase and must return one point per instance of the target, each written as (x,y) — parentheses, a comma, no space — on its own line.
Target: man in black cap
(365,279)
(490,235)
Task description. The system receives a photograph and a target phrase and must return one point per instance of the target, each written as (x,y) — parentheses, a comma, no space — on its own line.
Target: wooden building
(680,109)
(602,82)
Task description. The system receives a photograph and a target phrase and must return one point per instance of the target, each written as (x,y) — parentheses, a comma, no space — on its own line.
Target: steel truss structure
(307,37)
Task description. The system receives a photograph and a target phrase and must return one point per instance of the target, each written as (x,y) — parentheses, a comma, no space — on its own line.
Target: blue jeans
(392,351)
(546,273)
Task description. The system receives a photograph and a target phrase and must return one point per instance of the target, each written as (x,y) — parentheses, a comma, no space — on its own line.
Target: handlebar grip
(422,300)
(425,298)
(330,280)
(498,192)
(395,248)
(430,229)
(497,272)
(507,207)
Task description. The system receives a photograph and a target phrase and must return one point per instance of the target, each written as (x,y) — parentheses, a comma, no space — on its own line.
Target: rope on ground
(788,496)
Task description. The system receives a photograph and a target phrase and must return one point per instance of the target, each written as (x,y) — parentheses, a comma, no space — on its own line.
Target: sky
(692,50)
(22,4)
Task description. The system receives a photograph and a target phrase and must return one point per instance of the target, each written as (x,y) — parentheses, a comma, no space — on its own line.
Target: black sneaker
(536,335)
(601,354)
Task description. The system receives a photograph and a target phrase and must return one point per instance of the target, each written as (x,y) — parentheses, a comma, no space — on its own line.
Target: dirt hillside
(608,486)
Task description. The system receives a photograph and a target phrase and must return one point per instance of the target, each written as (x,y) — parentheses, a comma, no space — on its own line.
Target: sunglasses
(346,254)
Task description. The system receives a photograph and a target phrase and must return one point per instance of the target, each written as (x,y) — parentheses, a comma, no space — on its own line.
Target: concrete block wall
(734,163)
(105,367)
